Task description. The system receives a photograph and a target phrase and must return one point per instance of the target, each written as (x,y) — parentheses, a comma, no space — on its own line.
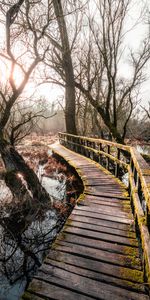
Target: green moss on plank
(134,275)
(131,251)
(81,198)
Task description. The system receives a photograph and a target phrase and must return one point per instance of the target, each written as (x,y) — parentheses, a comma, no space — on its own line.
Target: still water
(26,233)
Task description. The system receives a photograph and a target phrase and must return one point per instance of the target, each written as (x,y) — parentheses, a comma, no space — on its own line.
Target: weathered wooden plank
(92,200)
(102,209)
(96,275)
(54,290)
(102,190)
(123,229)
(106,195)
(99,244)
(113,271)
(115,223)
(88,213)
(106,205)
(123,205)
(99,255)
(97,233)
(109,184)
(86,286)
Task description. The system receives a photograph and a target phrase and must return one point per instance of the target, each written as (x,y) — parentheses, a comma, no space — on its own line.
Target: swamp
(28,228)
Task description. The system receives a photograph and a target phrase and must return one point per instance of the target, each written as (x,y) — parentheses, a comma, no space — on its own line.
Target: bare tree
(67,67)
(98,78)
(24,30)
(67,25)
(25,118)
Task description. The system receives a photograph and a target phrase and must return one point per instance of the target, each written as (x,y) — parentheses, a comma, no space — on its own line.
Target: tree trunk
(111,127)
(70,99)
(113,130)
(16,166)
(68,69)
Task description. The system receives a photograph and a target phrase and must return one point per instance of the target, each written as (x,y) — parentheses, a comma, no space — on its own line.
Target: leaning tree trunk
(15,165)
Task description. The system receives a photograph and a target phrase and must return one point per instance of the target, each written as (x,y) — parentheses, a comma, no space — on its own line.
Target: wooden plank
(97,187)
(97,233)
(86,286)
(108,201)
(107,205)
(102,209)
(96,275)
(99,244)
(88,213)
(99,180)
(115,223)
(101,187)
(54,290)
(106,195)
(121,229)
(99,255)
(115,271)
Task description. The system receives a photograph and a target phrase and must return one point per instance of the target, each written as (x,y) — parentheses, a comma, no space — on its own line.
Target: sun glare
(47,91)
(6,73)
(17,75)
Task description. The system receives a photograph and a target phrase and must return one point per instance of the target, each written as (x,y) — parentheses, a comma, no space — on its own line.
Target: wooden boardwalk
(96,255)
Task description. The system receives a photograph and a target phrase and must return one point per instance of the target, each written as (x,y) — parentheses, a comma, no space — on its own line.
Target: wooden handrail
(116,158)
(97,140)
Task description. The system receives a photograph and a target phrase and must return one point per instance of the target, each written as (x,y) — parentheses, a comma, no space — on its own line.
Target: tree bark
(68,69)
(15,166)
(112,128)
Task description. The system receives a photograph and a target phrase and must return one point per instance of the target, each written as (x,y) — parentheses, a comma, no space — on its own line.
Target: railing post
(100,155)
(88,145)
(107,159)
(148,218)
(117,164)
(93,147)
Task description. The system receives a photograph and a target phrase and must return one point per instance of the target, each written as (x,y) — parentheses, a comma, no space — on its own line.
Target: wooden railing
(120,159)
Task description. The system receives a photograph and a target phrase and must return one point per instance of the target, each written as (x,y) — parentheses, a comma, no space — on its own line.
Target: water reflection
(26,231)
(55,185)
